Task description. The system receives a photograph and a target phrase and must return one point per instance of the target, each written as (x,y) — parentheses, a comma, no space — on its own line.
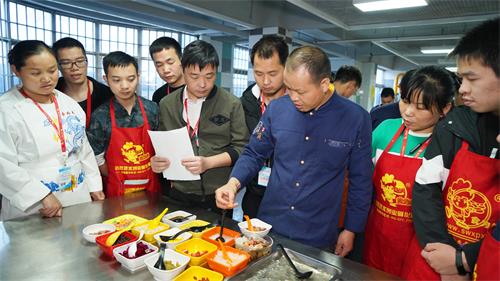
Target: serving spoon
(181,219)
(300,275)
(152,224)
(113,237)
(192,228)
(221,238)
(132,249)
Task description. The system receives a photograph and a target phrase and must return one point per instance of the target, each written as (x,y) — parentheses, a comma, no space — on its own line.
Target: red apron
(128,158)
(487,267)
(389,228)
(470,197)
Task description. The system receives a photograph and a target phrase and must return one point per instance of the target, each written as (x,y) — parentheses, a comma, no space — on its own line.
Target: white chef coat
(31,156)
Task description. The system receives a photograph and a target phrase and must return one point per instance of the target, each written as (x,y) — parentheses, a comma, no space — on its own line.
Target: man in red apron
(119,130)
(463,158)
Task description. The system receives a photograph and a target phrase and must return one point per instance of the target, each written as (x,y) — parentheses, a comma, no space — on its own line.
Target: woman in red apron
(128,158)
(389,228)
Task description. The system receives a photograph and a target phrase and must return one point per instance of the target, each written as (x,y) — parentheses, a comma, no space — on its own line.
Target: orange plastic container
(101,242)
(228,234)
(228,269)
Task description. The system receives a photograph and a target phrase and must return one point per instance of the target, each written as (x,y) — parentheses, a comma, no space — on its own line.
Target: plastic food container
(196,223)
(198,273)
(135,263)
(197,249)
(123,221)
(170,255)
(94,230)
(101,242)
(149,233)
(255,222)
(255,247)
(167,218)
(217,262)
(171,245)
(228,235)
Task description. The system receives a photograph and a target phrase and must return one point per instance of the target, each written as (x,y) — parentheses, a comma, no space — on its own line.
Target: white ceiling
(390,38)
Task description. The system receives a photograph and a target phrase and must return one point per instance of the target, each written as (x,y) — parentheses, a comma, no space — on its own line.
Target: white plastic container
(166,218)
(171,245)
(255,222)
(170,255)
(135,264)
(91,232)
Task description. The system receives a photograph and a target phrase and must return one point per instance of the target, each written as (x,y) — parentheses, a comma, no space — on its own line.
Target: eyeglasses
(69,64)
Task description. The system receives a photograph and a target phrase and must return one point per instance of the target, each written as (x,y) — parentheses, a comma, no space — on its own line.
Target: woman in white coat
(46,162)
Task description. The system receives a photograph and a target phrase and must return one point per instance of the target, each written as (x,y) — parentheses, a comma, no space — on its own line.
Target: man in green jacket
(215,123)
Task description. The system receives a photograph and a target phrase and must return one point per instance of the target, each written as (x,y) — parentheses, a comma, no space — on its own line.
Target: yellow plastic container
(199,272)
(149,233)
(193,246)
(123,221)
(196,223)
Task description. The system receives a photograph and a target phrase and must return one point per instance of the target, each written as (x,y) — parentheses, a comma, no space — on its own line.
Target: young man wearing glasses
(74,82)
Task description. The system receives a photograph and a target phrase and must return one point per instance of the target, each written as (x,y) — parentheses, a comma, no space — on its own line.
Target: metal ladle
(300,275)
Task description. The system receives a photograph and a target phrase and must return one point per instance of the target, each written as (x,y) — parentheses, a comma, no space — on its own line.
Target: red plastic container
(101,242)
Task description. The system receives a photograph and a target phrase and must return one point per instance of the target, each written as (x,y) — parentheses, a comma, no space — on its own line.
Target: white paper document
(174,145)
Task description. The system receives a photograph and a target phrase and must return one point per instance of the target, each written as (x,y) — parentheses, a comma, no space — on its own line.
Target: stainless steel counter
(54,249)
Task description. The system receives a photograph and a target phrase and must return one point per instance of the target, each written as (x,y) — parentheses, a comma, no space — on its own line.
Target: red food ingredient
(142,249)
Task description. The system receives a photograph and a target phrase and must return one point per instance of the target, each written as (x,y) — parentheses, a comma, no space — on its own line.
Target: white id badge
(264,175)
(65,181)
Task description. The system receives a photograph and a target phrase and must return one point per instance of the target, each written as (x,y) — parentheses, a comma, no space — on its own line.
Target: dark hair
(403,84)
(313,59)
(67,42)
(200,53)
(25,49)
(481,43)
(267,46)
(165,43)
(348,73)
(387,92)
(120,59)
(435,84)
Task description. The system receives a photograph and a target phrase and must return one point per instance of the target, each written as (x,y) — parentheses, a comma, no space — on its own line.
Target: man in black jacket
(268,57)
(73,63)
(166,55)
(456,193)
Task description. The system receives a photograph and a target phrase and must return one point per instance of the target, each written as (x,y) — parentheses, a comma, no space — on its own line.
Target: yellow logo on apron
(133,153)
(394,191)
(469,208)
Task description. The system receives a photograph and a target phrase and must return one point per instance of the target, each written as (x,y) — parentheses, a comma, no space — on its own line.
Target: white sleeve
(100,159)
(89,164)
(16,183)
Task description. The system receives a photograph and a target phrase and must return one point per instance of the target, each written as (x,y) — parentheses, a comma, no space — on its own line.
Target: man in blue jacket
(314,135)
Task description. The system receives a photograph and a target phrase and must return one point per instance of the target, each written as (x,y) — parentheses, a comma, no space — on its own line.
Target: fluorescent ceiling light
(452,68)
(436,50)
(379,5)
